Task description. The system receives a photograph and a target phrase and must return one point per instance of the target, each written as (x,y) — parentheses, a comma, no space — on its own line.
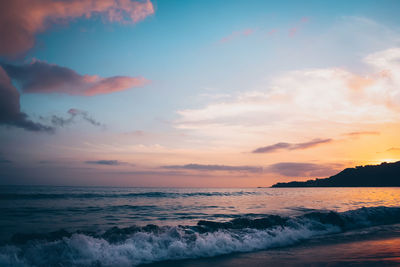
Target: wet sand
(348,250)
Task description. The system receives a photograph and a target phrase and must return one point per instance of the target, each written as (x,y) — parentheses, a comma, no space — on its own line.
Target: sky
(196,93)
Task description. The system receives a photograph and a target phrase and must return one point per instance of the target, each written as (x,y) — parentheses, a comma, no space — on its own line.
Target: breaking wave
(136,245)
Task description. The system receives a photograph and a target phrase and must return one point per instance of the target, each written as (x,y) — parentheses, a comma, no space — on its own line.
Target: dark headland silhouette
(385,174)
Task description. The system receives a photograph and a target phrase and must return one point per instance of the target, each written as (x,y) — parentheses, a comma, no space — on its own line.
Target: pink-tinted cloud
(357,134)
(299,25)
(293,31)
(203,167)
(358,83)
(114,84)
(21,20)
(236,34)
(272,32)
(41,77)
(247,32)
(301,169)
(289,146)
(305,19)
(229,37)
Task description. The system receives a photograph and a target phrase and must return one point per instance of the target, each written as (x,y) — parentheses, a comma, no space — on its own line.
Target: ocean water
(110,226)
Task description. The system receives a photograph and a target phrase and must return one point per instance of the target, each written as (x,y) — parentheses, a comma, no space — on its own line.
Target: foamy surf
(137,245)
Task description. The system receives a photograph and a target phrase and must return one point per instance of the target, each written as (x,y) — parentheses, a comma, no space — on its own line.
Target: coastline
(366,247)
(382,175)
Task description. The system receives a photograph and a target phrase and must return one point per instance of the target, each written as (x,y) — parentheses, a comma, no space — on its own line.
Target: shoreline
(359,248)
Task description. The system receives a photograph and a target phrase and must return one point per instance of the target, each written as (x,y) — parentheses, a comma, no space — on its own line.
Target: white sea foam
(143,247)
(135,246)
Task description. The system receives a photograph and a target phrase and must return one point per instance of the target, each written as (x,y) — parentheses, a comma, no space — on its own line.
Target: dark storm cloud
(301,169)
(289,146)
(106,162)
(200,167)
(10,112)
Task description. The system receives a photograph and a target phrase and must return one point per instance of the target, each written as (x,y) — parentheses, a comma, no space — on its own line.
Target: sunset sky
(196,93)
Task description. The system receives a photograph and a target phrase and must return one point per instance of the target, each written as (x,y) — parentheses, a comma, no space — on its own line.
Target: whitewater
(85,226)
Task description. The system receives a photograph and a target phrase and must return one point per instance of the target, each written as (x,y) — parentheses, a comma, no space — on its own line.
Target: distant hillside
(385,174)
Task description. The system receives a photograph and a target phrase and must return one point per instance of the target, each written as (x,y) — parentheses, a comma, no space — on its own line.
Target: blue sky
(203,60)
(177,48)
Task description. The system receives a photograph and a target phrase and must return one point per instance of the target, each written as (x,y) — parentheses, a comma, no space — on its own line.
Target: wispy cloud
(299,25)
(393,149)
(289,146)
(357,134)
(288,169)
(201,167)
(273,31)
(301,169)
(236,35)
(73,113)
(106,162)
(293,31)
(42,77)
(21,20)
(318,98)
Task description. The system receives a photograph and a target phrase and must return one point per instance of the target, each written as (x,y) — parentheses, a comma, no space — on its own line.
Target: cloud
(299,25)
(272,148)
(321,98)
(10,112)
(293,31)
(42,77)
(200,167)
(73,113)
(300,169)
(357,134)
(289,169)
(288,146)
(304,19)
(310,144)
(393,149)
(235,35)
(158,173)
(272,32)
(21,20)
(106,162)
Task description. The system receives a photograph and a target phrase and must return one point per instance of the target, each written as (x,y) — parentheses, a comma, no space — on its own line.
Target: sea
(126,226)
